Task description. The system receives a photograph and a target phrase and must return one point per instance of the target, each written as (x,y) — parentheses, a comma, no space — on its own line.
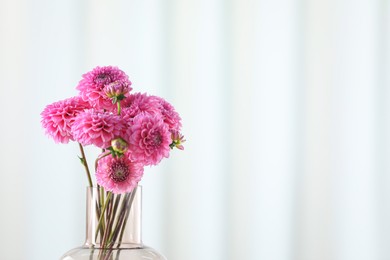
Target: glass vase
(113,228)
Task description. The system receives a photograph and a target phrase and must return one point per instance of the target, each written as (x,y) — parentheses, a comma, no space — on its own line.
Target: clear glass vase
(113,228)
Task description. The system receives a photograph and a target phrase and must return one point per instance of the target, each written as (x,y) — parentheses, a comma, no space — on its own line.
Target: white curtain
(285,107)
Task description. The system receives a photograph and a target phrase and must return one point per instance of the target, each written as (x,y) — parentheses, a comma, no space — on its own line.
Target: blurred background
(285,108)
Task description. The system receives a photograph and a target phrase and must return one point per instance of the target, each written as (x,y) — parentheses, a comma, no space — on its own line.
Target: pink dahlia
(118,174)
(171,117)
(57,118)
(92,85)
(97,128)
(149,139)
(138,103)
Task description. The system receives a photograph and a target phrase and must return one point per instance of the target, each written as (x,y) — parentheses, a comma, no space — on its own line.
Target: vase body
(113,228)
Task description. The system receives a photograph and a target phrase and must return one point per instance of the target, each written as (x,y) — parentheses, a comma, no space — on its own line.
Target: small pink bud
(117,89)
(177,140)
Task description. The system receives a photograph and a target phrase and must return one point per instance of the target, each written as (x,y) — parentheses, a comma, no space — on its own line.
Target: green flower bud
(119,145)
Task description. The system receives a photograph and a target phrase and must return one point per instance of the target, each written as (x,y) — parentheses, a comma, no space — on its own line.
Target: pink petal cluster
(134,130)
(57,118)
(117,88)
(118,174)
(138,103)
(170,116)
(92,85)
(97,128)
(149,139)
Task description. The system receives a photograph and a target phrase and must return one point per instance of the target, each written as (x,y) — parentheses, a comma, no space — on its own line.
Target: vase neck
(113,220)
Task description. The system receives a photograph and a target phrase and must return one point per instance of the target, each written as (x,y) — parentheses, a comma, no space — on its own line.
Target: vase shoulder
(144,252)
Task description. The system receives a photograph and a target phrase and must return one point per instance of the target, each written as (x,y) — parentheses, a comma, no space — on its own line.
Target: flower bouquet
(133,130)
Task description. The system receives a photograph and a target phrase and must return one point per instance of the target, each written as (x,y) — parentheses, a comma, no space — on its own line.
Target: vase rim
(95,188)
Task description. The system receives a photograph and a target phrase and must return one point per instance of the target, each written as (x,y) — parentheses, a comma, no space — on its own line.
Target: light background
(285,106)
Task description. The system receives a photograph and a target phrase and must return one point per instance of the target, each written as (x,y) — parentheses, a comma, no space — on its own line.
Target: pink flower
(97,128)
(177,140)
(138,103)
(118,174)
(117,89)
(57,118)
(149,139)
(92,85)
(171,117)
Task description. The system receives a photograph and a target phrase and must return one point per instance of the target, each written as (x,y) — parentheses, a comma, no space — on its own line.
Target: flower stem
(118,105)
(101,157)
(84,161)
(101,219)
(126,215)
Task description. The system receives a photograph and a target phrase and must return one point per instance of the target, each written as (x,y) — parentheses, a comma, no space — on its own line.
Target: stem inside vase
(113,220)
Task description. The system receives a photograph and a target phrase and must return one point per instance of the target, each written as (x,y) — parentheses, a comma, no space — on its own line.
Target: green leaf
(81,160)
(114,100)
(120,97)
